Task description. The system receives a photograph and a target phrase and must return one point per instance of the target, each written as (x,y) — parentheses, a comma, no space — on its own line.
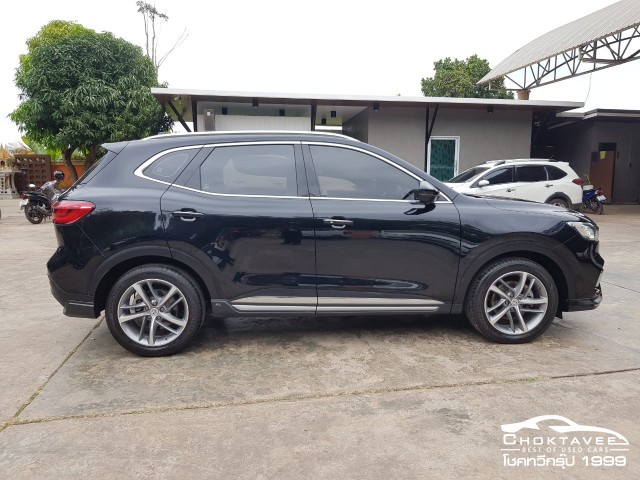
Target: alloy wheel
(516,303)
(153,312)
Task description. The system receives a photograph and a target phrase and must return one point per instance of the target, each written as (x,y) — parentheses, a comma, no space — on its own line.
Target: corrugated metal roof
(612,19)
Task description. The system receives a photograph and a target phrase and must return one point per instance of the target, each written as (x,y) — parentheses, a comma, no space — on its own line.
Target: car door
(241,213)
(501,183)
(375,249)
(531,183)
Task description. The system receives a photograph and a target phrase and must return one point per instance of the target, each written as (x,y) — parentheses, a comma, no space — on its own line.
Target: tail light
(23,195)
(67,212)
(599,191)
(578,181)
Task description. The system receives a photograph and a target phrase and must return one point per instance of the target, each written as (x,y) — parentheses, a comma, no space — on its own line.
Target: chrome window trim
(139,171)
(379,157)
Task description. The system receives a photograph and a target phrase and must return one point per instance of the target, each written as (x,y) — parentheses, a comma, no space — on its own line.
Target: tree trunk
(67,161)
(91,157)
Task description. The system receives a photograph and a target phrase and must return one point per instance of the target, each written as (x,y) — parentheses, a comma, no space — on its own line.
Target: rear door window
(531,173)
(250,170)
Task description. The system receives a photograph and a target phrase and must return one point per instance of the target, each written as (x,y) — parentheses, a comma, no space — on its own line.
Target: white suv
(538,180)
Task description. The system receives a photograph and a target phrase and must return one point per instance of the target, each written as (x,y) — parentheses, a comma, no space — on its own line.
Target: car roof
(523,160)
(171,140)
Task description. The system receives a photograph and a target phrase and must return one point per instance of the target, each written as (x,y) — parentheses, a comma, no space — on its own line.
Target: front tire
(512,300)
(154,310)
(32,213)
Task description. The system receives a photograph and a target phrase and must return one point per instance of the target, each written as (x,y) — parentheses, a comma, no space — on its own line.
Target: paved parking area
(351,397)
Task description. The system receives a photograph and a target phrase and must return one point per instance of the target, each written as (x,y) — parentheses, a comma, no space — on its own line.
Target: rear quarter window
(555,173)
(168,166)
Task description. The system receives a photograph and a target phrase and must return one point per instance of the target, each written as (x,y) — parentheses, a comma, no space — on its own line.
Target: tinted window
(499,176)
(250,170)
(467,175)
(555,173)
(168,166)
(531,173)
(345,173)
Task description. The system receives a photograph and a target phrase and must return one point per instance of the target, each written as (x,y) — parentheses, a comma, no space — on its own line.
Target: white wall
(246,122)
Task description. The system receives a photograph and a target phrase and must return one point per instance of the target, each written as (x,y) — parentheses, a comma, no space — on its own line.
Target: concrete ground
(301,398)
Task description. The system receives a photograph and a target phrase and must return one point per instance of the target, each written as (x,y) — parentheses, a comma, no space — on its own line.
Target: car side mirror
(427,194)
(483,183)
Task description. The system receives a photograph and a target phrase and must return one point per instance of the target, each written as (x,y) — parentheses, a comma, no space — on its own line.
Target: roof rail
(245,132)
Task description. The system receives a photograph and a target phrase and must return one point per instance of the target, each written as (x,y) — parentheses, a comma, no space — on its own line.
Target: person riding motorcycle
(50,189)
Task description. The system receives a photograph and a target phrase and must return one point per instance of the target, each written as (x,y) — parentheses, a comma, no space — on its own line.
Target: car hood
(526,206)
(458,187)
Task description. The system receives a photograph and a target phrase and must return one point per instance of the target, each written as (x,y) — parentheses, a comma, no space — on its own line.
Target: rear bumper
(74,305)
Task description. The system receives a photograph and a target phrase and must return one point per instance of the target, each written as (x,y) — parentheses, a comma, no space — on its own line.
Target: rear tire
(154,310)
(512,300)
(32,214)
(558,202)
(594,206)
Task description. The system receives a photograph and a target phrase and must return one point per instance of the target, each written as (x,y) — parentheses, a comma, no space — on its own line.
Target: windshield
(468,175)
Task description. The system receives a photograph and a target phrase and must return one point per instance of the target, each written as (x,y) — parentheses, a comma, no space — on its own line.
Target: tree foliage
(459,78)
(80,88)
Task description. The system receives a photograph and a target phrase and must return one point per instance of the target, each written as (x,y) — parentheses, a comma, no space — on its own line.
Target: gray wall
(502,134)
(483,136)
(400,131)
(576,142)
(358,127)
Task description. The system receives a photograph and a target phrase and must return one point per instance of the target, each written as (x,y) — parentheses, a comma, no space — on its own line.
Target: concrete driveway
(298,398)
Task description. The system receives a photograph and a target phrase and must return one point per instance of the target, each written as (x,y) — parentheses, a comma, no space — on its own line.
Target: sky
(356,47)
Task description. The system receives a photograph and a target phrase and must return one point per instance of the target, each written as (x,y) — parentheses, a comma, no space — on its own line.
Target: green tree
(459,78)
(80,88)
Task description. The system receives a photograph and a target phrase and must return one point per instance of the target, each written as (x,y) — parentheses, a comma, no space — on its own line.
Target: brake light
(67,212)
(23,195)
(578,181)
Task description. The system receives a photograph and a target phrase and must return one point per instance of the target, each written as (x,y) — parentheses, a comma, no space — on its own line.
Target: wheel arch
(560,195)
(551,263)
(117,269)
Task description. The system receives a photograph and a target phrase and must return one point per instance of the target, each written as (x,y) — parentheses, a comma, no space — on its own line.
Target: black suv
(165,230)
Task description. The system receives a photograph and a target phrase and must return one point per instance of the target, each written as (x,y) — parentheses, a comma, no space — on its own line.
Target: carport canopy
(603,39)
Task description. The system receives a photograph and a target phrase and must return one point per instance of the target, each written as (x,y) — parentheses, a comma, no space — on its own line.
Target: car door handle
(187,215)
(338,223)
(549,185)
(510,189)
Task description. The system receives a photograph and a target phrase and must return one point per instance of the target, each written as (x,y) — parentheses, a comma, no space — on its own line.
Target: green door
(442,163)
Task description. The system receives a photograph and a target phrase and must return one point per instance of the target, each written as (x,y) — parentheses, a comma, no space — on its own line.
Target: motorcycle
(37,203)
(593,199)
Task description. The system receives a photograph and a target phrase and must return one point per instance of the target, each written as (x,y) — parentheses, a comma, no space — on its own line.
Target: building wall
(400,131)
(576,143)
(244,122)
(502,134)
(358,127)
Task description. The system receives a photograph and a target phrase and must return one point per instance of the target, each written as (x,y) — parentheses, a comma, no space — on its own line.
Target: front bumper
(74,305)
(580,304)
